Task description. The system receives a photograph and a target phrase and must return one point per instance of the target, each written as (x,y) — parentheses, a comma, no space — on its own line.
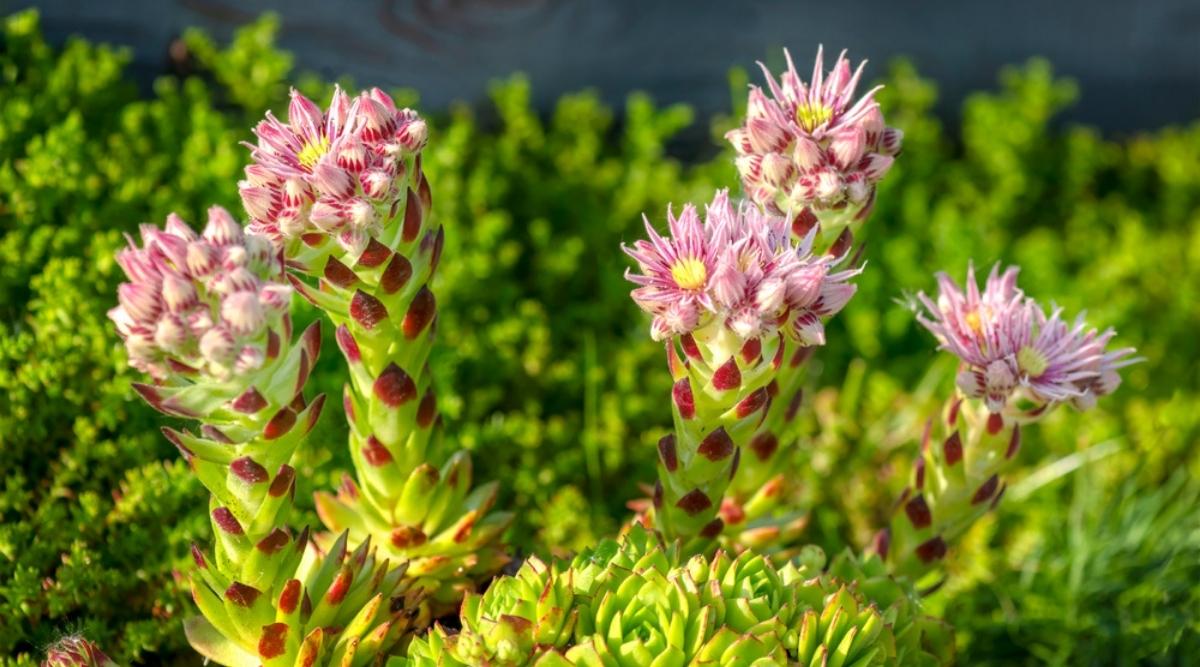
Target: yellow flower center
(810,116)
(689,273)
(974,321)
(1032,361)
(312,152)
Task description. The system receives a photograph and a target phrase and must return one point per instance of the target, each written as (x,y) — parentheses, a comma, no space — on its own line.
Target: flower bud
(249,359)
(328,215)
(222,229)
(202,259)
(257,201)
(172,333)
(332,181)
(140,301)
(179,293)
(243,314)
(218,346)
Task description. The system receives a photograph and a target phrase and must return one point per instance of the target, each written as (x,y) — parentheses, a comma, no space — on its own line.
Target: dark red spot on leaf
(420,313)
(918,512)
(952,449)
(684,401)
(717,445)
(727,376)
(666,452)
(367,310)
(764,445)
(394,387)
(694,502)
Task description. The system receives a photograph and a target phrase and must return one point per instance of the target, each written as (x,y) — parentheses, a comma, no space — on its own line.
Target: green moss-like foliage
(543,366)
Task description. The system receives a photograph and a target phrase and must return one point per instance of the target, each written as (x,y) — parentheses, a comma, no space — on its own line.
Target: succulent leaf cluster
(637,601)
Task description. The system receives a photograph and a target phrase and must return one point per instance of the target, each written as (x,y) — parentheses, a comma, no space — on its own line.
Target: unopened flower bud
(778,170)
(140,301)
(847,146)
(332,181)
(243,314)
(412,135)
(249,359)
(378,183)
(328,215)
(222,229)
(276,297)
(218,346)
(172,333)
(179,293)
(257,200)
(202,259)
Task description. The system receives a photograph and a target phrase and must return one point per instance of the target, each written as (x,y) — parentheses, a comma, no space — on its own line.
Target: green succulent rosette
(634,602)
(310,607)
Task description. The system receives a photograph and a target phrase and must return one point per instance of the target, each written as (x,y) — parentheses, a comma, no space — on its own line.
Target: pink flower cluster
(739,267)
(812,147)
(200,302)
(1007,344)
(333,172)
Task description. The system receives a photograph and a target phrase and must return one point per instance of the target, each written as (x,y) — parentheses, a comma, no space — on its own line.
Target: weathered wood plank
(1138,63)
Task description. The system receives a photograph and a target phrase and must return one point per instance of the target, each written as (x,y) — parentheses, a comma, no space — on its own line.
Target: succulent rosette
(76,651)
(633,602)
(812,150)
(725,293)
(1016,364)
(343,192)
(316,608)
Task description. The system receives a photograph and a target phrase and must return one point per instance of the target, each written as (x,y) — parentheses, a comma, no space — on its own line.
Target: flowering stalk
(206,315)
(1017,364)
(343,192)
(724,295)
(809,152)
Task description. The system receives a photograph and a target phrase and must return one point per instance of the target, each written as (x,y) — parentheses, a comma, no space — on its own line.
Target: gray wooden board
(1137,63)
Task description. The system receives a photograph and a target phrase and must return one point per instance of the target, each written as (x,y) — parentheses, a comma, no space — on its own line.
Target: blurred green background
(547,373)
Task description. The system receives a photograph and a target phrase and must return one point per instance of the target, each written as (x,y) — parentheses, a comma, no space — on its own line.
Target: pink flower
(199,302)
(738,268)
(322,170)
(813,145)
(1009,346)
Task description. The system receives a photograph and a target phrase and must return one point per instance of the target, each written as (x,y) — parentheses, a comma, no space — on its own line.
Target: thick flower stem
(719,396)
(417,503)
(957,478)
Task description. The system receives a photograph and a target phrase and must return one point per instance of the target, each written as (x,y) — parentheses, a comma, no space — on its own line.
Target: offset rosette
(633,602)
(726,294)
(530,614)
(1016,364)
(810,150)
(344,192)
(318,608)
(76,651)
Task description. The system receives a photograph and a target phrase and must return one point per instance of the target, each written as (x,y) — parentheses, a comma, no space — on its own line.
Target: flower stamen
(689,273)
(312,152)
(811,115)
